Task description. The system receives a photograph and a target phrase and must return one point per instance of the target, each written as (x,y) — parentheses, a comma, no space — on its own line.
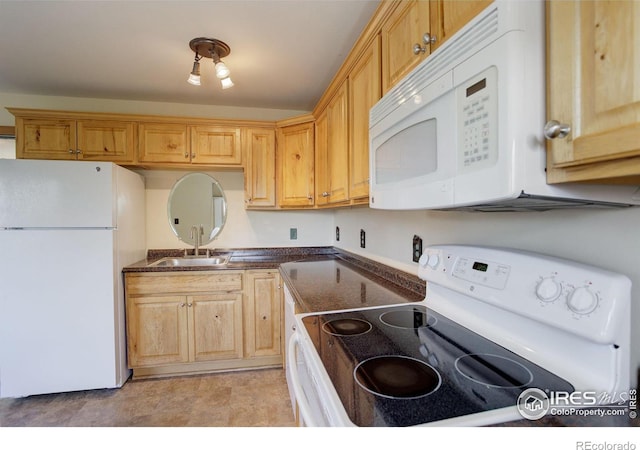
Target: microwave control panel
(477,121)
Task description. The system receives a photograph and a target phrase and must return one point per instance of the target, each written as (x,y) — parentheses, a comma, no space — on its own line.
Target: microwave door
(413,158)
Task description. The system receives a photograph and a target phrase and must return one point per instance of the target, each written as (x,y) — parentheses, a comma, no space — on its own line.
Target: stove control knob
(548,289)
(424,260)
(433,261)
(582,300)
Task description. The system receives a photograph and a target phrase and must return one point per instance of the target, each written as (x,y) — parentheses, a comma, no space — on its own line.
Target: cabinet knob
(182,305)
(325,194)
(427,39)
(186,155)
(554,129)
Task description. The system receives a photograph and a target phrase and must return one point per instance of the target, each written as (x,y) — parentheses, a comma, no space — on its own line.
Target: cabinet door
(448,16)
(215,325)
(45,138)
(163,143)
(594,87)
(216,145)
(322,158)
(101,140)
(295,165)
(338,146)
(260,167)
(364,92)
(157,330)
(263,314)
(405,27)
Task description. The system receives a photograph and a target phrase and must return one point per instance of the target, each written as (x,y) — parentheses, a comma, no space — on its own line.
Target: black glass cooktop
(406,365)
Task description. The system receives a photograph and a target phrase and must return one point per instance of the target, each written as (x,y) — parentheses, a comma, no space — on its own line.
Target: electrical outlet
(417,248)
(362,239)
(293,234)
(337,233)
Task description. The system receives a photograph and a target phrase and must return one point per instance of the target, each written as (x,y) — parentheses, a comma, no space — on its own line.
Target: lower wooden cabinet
(202,321)
(263,314)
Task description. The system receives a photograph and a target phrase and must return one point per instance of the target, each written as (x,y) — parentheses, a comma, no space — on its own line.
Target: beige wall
(243,229)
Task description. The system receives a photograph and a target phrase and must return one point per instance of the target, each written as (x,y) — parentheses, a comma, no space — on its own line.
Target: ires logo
(534,403)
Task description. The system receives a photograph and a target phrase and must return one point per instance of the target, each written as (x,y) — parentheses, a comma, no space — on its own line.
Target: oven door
(304,387)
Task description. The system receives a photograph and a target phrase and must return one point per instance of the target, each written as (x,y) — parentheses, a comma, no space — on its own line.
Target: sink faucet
(195,235)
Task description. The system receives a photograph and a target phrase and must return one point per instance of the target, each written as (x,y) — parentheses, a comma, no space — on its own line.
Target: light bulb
(194,79)
(221,70)
(226,83)
(194,76)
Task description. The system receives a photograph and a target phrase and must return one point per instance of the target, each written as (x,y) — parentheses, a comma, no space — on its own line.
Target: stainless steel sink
(192,261)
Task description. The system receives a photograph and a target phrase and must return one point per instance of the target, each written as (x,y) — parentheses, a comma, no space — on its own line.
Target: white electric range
(502,335)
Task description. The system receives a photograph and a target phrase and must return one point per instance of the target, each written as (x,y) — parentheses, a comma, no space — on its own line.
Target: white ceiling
(284,53)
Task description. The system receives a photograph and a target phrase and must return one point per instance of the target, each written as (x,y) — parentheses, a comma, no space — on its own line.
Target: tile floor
(256,398)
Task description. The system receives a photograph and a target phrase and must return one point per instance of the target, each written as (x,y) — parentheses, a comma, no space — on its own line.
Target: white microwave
(464,129)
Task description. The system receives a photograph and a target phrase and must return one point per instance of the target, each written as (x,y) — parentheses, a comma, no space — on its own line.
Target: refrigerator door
(56,194)
(58,312)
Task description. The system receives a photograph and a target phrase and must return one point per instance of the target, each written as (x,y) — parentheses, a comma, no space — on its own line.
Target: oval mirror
(197,200)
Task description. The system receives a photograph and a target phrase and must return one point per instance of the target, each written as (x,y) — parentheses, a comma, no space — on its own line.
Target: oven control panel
(486,273)
(584,300)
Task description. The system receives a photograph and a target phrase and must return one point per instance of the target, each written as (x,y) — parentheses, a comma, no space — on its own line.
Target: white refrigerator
(67,228)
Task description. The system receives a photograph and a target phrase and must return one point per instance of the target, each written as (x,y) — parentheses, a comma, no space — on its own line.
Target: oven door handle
(301,399)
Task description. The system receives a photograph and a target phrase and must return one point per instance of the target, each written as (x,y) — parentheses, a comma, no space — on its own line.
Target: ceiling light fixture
(214,49)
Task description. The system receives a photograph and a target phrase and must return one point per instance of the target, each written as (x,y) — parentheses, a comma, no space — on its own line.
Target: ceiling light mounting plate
(206,46)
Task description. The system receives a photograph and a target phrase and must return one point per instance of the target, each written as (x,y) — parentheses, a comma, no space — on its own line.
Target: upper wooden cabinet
(416,28)
(448,16)
(364,92)
(260,167)
(182,143)
(594,88)
(217,145)
(401,32)
(295,164)
(332,150)
(67,138)
(163,143)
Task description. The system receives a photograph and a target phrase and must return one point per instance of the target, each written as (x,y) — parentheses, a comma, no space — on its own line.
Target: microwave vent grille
(528,202)
(476,34)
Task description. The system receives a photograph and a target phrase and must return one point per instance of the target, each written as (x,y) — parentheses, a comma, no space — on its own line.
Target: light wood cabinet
(260,167)
(263,313)
(88,140)
(449,16)
(364,92)
(177,320)
(295,165)
(594,88)
(163,143)
(202,321)
(217,145)
(183,144)
(332,151)
(404,29)
(157,330)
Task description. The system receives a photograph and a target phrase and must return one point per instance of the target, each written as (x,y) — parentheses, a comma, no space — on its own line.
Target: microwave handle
(303,405)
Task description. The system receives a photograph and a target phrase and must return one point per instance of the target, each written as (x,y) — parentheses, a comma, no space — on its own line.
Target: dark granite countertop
(239,259)
(336,283)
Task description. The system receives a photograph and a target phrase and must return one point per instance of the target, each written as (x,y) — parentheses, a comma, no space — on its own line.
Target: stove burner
(346,327)
(493,370)
(408,318)
(397,377)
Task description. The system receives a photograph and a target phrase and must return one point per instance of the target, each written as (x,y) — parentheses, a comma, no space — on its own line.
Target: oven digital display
(482,267)
(480,85)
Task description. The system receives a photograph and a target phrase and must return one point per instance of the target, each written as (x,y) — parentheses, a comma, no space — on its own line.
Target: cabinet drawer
(197,281)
